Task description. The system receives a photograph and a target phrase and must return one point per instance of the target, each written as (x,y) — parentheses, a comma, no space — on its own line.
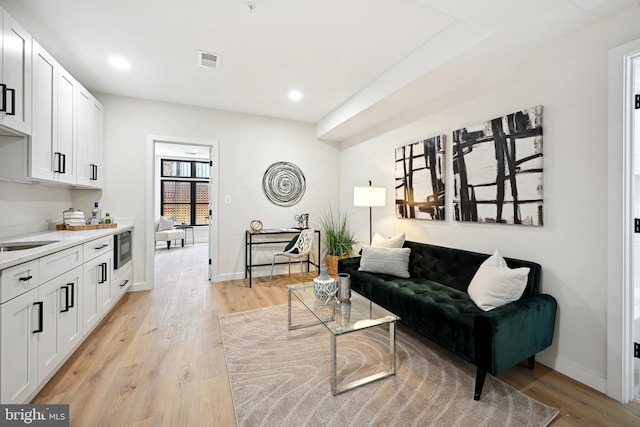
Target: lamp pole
(370,223)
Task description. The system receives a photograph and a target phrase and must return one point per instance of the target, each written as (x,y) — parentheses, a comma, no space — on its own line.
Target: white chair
(165,231)
(298,251)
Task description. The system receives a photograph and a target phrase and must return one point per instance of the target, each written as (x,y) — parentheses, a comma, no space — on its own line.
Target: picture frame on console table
(498,170)
(420,178)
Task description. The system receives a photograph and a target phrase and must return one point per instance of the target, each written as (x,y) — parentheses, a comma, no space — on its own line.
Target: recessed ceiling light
(119,62)
(295,95)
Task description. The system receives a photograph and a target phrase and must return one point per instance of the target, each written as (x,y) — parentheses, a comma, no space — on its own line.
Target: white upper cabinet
(89,139)
(44,123)
(15,79)
(44,101)
(64,156)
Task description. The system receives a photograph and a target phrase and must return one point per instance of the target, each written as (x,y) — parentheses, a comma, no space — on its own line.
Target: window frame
(193,180)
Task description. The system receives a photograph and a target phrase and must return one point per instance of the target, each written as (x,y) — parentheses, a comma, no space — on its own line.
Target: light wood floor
(157,359)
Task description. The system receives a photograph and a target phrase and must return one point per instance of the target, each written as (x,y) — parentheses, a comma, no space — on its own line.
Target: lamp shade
(369,196)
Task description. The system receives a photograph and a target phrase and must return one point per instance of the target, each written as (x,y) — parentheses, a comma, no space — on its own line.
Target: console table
(280,236)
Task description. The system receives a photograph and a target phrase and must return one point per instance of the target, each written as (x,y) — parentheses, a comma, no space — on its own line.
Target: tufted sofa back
(456,267)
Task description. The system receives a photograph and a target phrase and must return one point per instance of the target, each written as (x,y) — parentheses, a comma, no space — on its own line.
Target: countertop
(65,239)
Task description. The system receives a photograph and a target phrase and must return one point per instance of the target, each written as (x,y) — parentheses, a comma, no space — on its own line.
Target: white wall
(571,246)
(247,146)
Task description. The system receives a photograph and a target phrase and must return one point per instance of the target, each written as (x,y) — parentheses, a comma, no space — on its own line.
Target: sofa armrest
(348,264)
(507,335)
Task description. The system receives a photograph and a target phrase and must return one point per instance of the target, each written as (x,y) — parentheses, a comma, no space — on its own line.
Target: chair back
(305,241)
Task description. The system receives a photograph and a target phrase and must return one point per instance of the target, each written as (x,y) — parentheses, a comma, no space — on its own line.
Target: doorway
(185,187)
(623,263)
(634,134)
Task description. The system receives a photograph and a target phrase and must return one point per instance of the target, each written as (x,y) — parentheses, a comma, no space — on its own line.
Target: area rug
(282,378)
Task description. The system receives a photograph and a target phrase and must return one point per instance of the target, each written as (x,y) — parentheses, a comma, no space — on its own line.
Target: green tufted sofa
(435,303)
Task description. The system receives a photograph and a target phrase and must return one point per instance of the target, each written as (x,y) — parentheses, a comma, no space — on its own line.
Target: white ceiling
(359,63)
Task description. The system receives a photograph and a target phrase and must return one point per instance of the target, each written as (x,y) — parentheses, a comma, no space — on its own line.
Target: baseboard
(229,276)
(574,371)
(140,286)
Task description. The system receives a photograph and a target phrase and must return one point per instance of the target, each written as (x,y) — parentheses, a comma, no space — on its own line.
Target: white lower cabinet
(121,281)
(97,289)
(47,307)
(61,321)
(19,368)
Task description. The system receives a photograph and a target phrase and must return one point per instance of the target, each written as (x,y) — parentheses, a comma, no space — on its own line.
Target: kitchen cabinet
(44,125)
(121,281)
(89,139)
(97,290)
(61,327)
(65,142)
(48,305)
(43,100)
(52,152)
(15,79)
(19,363)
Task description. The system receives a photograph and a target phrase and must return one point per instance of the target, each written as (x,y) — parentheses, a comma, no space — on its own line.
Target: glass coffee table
(342,318)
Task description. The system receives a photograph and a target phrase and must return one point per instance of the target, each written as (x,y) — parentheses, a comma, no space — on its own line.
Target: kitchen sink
(20,246)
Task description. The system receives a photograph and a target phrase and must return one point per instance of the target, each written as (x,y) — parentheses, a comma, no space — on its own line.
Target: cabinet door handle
(122,285)
(73,292)
(94,172)
(101,247)
(66,299)
(3,107)
(13,103)
(57,159)
(103,272)
(25,279)
(40,317)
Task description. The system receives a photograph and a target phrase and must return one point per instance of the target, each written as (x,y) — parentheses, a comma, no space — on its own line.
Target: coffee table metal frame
(327,316)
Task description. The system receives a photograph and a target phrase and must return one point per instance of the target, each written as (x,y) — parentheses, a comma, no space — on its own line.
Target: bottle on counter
(95,214)
(107,219)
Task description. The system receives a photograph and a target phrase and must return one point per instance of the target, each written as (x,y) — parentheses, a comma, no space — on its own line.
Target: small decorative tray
(84,227)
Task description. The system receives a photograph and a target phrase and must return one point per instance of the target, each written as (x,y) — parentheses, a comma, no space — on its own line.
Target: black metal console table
(270,237)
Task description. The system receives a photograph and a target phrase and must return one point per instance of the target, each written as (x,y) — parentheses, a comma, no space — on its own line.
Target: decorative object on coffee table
(338,239)
(256,225)
(420,179)
(324,286)
(283,184)
(344,287)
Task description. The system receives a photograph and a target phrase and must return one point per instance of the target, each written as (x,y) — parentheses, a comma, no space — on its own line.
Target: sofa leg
(532,362)
(168,244)
(183,243)
(480,376)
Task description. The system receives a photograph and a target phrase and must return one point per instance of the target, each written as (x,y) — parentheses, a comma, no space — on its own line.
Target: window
(184,191)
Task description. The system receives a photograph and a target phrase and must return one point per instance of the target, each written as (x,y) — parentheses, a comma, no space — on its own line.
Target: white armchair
(166,232)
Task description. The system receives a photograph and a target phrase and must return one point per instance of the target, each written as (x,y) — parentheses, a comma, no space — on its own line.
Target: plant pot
(332,264)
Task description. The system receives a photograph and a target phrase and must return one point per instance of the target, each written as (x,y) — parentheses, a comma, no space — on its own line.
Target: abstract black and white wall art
(420,179)
(498,173)
(284,184)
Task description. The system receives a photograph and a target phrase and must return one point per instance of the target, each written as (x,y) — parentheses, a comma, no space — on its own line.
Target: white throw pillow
(495,284)
(393,261)
(379,241)
(165,224)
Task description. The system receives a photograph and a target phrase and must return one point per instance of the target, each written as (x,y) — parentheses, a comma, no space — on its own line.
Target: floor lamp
(369,197)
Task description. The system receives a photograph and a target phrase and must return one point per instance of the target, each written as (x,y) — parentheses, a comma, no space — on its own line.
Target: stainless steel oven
(122,249)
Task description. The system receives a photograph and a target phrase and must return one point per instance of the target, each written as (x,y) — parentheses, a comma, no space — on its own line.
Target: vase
(324,287)
(332,264)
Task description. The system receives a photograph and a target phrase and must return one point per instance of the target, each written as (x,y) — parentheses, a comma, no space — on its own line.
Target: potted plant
(338,239)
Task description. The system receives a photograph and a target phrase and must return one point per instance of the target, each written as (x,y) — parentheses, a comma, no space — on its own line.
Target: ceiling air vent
(208,60)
